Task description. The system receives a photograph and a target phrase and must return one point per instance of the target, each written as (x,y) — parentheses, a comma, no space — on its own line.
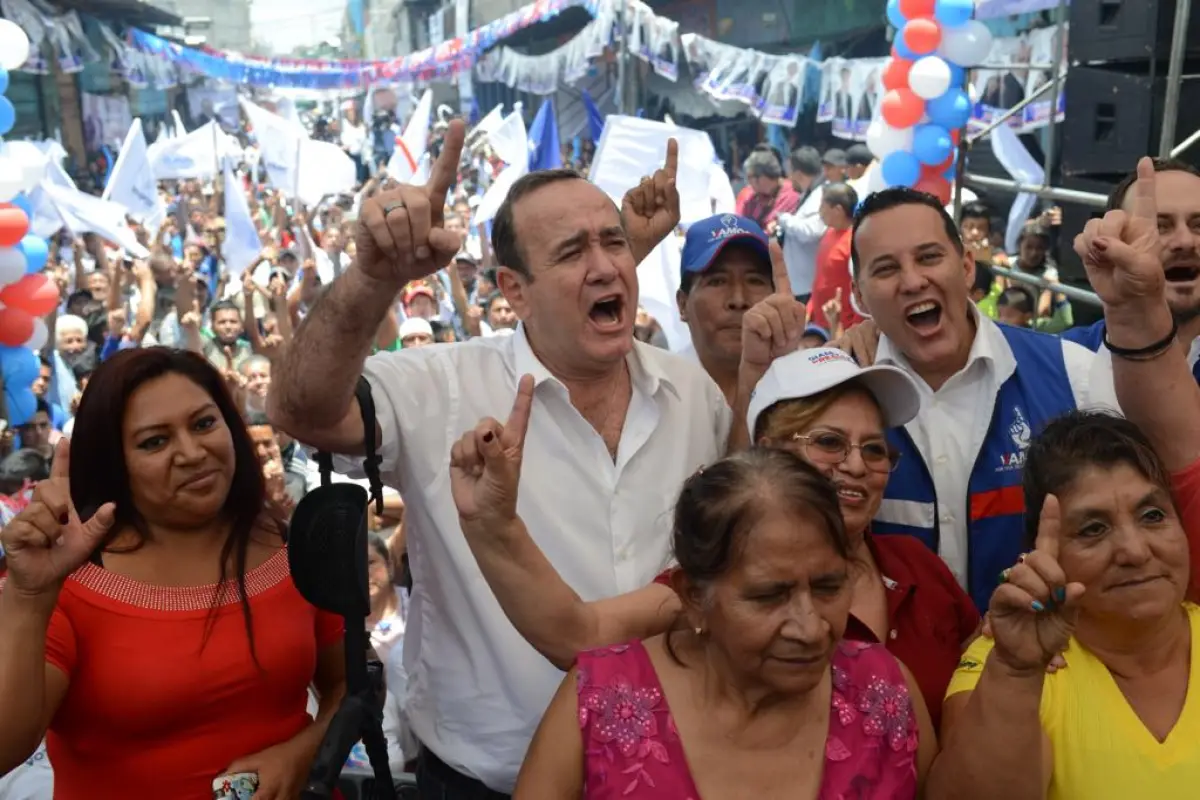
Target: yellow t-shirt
(1102,751)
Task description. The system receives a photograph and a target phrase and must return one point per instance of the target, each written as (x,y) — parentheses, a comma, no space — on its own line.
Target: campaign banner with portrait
(772,86)
(850,94)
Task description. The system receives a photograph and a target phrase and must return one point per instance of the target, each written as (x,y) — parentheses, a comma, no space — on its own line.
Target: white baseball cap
(414,326)
(805,373)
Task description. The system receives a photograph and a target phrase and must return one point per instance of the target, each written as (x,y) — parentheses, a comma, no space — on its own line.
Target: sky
(286,24)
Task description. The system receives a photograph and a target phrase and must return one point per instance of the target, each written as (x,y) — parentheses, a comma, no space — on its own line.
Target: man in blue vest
(1177,191)
(987,389)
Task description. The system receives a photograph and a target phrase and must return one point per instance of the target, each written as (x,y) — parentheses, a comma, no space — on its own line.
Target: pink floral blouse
(632,748)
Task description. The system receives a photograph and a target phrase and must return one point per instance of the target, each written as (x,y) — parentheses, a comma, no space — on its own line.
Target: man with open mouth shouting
(1177,191)
(986,388)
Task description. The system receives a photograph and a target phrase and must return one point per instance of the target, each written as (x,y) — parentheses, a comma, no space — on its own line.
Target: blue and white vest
(1037,392)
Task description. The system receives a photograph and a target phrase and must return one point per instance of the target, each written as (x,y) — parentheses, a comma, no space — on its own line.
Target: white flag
(193,155)
(325,170)
(510,140)
(131,183)
(402,166)
(242,247)
(84,213)
(279,147)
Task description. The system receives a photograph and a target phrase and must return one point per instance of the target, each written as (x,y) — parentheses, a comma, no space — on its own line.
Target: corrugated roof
(129,12)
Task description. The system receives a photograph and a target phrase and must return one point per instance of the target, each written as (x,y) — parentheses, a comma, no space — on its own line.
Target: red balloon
(902,109)
(955,135)
(15,327)
(35,295)
(911,9)
(13,225)
(922,36)
(895,74)
(941,168)
(935,185)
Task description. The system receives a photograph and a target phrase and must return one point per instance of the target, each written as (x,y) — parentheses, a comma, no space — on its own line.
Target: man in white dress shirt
(616,427)
(987,388)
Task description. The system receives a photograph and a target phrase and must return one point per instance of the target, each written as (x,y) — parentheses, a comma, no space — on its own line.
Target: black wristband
(1143,353)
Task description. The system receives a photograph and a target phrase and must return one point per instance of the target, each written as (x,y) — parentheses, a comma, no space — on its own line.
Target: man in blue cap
(725,270)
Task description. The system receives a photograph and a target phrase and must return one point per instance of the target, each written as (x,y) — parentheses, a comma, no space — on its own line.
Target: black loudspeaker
(1075,216)
(1115,118)
(1126,30)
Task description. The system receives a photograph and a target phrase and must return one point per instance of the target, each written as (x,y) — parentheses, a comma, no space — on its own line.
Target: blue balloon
(901,168)
(951,110)
(958,75)
(20,366)
(3,81)
(36,253)
(22,404)
(902,49)
(894,15)
(931,144)
(22,202)
(952,13)
(8,115)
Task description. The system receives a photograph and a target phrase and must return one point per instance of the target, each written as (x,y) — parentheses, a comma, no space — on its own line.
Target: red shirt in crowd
(1185,485)
(163,691)
(764,209)
(743,197)
(833,273)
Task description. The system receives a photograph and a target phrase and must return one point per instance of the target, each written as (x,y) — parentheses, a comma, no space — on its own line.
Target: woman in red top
(149,627)
(819,405)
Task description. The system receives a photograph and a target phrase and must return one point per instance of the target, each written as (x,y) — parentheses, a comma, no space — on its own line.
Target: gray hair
(763,164)
(69,323)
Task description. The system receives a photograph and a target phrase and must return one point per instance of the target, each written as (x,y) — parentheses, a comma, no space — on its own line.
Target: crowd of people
(891,526)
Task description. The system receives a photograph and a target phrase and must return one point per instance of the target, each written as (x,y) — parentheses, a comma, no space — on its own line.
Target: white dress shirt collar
(989,346)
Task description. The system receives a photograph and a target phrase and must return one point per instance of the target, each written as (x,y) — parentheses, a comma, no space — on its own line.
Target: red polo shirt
(929,614)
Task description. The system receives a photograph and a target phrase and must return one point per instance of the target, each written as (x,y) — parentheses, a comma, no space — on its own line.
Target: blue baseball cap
(707,238)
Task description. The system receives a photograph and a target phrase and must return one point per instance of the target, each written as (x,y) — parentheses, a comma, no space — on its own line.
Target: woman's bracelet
(1148,353)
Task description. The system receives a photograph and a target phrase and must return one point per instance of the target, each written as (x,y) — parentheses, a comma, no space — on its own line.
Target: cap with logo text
(806,373)
(707,238)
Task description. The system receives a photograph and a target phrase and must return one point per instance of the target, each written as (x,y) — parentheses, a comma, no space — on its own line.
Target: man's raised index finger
(518,418)
(671,166)
(1145,201)
(60,467)
(779,273)
(445,169)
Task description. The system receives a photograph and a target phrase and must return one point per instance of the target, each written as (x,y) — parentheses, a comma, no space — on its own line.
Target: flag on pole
(594,117)
(413,143)
(279,147)
(131,183)
(241,247)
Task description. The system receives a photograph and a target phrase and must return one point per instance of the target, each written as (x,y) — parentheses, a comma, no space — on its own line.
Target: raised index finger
(60,467)
(1145,202)
(1049,528)
(671,167)
(445,169)
(779,273)
(518,418)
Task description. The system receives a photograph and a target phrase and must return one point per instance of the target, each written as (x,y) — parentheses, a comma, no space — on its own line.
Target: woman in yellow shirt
(1105,586)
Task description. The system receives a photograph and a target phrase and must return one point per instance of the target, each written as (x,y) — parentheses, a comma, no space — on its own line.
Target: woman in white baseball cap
(820,405)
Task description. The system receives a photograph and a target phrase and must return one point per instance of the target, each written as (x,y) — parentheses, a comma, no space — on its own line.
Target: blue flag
(544,149)
(594,117)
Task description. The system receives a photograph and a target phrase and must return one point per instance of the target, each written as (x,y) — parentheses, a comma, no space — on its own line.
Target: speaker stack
(1115,95)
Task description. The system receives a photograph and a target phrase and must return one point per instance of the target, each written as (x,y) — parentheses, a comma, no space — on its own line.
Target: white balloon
(966,45)
(883,139)
(12,179)
(37,339)
(929,77)
(32,161)
(12,265)
(14,45)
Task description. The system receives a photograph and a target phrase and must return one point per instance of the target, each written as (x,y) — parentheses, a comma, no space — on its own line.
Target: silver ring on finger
(395,205)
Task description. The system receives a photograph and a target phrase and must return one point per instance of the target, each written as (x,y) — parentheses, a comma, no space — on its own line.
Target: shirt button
(946,518)
(892,634)
(942,459)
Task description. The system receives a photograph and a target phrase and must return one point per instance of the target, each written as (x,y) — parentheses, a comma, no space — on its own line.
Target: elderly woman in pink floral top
(758,696)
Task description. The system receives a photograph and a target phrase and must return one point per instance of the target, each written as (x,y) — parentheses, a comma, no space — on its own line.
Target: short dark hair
(508,250)
(976,210)
(895,197)
(841,195)
(1116,198)
(806,160)
(1033,228)
(1019,297)
(764,164)
(1075,441)
(984,277)
(859,155)
(257,419)
(224,305)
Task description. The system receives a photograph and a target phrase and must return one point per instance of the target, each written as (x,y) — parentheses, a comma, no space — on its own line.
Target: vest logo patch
(1021,433)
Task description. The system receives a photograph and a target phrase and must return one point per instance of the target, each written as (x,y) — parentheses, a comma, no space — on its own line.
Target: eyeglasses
(828,447)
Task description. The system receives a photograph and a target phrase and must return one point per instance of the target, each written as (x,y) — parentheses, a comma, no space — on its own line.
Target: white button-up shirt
(950,429)
(477,690)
